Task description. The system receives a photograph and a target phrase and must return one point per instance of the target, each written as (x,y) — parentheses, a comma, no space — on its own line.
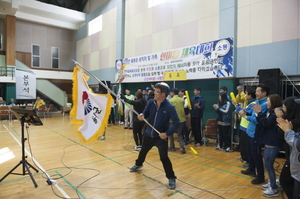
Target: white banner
(207,60)
(25,84)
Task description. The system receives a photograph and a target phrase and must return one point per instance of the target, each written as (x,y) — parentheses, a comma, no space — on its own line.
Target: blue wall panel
(282,55)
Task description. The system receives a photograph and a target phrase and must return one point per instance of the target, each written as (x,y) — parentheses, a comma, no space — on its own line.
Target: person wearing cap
(158,112)
(147,89)
(293,139)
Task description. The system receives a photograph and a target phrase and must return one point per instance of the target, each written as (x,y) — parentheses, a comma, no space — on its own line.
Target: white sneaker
(266,186)
(102,138)
(270,192)
(218,148)
(136,148)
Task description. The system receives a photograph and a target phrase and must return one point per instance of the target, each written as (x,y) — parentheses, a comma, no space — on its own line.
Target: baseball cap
(297,100)
(148,88)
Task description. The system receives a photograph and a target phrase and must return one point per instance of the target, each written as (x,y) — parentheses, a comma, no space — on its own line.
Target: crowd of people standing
(266,124)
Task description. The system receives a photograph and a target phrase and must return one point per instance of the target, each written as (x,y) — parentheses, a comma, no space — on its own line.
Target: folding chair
(42,110)
(4,113)
(12,116)
(50,110)
(211,131)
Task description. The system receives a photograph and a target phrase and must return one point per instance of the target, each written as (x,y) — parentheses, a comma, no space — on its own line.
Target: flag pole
(102,84)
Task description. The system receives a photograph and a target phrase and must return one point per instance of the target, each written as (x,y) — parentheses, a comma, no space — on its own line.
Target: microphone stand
(25,165)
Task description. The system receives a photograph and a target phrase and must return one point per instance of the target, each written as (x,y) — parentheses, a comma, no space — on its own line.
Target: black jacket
(268,135)
(138,106)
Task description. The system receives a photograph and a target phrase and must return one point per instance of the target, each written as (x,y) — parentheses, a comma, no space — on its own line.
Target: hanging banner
(25,84)
(207,60)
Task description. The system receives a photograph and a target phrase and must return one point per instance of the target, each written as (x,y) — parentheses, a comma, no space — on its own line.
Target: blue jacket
(252,118)
(197,112)
(224,113)
(247,109)
(160,117)
(264,109)
(269,134)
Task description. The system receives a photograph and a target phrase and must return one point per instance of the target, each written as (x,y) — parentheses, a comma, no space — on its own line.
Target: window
(35,51)
(55,57)
(152,3)
(95,25)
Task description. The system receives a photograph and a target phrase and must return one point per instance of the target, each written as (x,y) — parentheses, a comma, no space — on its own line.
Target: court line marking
(40,167)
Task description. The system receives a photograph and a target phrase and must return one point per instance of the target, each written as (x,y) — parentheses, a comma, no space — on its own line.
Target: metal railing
(7,71)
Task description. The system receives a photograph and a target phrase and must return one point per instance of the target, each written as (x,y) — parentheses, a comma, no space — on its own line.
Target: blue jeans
(270,154)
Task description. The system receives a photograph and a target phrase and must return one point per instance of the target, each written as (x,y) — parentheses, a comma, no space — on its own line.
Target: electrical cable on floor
(49,180)
(134,188)
(176,179)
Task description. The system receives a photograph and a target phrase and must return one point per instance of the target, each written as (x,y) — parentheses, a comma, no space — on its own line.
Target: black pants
(112,116)
(185,133)
(296,194)
(196,129)
(162,146)
(286,180)
(255,158)
(244,145)
(137,132)
(224,137)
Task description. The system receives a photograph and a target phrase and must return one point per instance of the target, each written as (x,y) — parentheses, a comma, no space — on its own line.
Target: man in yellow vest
(250,97)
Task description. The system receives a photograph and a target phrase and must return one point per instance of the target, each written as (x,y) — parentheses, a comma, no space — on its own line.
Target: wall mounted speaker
(271,78)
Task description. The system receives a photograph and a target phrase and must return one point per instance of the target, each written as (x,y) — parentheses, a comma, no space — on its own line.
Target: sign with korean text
(212,59)
(175,75)
(25,84)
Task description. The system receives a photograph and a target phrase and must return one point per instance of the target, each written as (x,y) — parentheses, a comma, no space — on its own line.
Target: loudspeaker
(103,90)
(271,78)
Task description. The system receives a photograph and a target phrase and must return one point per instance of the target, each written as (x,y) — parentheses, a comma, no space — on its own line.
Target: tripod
(23,162)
